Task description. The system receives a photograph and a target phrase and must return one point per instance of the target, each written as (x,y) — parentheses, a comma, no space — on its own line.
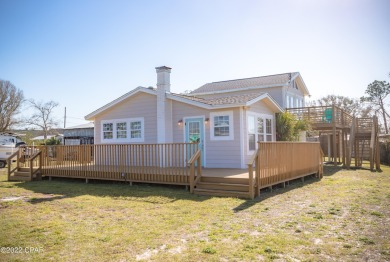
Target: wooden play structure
(347,136)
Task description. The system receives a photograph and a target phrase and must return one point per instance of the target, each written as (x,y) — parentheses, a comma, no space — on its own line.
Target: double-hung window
(221,126)
(136,129)
(108,131)
(123,130)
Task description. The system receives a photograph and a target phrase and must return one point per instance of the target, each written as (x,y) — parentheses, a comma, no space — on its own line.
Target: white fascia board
(90,117)
(302,84)
(268,97)
(240,89)
(189,101)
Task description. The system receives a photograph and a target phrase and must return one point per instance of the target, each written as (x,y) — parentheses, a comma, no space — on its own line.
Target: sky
(84,54)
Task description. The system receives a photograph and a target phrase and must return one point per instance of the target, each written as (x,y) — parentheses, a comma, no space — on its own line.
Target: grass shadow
(276,190)
(73,187)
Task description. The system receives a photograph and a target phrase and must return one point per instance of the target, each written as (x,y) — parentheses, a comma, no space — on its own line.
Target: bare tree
(377,92)
(11,99)
(42,116)
(351,106)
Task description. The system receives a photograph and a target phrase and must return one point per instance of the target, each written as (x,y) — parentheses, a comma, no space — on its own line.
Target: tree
(377,92)
(11,99)
(288,127)
(42,116)
(351,106)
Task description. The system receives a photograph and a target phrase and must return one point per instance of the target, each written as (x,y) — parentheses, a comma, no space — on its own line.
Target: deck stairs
(222,186)
(23,174)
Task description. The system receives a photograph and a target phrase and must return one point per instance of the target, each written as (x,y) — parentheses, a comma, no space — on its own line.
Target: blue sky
(83,54)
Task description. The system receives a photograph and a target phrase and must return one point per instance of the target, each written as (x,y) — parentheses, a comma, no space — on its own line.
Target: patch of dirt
(12,198)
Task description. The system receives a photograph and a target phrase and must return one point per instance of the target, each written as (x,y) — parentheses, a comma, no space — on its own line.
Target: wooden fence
(279,162)
(160,163)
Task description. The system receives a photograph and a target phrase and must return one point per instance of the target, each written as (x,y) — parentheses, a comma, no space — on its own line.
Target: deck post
(302,179)
(86,180)
(329,148)
(130,183)
(49,178)
(334,136)
(251,191)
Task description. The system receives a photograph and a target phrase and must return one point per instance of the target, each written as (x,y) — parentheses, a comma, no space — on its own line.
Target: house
(226,118)
(79,135)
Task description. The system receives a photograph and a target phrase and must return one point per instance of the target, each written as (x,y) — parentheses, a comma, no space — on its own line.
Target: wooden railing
(36,157)
(322,115)
(9,163)
(253,176)
(196,160)
(283,161)
(364,125)
(163,163)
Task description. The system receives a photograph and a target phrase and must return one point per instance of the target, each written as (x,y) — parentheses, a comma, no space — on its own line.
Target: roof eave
(275,104)
(305,90)
(240,89)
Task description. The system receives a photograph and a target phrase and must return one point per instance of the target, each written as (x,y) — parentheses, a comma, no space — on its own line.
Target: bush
(288,127)
(52,141)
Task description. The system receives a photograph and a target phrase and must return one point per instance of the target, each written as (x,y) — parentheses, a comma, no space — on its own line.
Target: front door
(194,133)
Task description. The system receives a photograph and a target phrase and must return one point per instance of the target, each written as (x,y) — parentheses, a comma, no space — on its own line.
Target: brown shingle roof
(261,81)
(223,100)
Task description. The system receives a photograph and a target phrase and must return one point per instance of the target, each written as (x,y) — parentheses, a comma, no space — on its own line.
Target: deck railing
(195,161)
(322,115)
(283,161)
(163,163)
(253,172)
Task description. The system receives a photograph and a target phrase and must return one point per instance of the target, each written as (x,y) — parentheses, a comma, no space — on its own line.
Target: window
(268,129)
(287,101)
(221,127)
(259,129)
(135,129)
(251,133)
(291,101)
(108,131)
(123,130)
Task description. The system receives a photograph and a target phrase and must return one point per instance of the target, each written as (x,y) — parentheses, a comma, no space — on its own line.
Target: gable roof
(251,83)
(207,103)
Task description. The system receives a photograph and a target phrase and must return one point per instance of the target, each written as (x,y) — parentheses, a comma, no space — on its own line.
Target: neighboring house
(226,118)
(79,135)
(41,139)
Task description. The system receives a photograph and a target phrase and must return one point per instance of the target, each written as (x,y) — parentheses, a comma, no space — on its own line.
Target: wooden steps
(23,174)
(225,187)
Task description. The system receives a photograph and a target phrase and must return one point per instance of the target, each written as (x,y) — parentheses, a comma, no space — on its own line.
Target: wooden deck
(177,164)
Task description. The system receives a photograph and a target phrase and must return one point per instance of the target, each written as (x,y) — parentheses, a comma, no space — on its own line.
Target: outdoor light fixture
(180,122)
(206,120)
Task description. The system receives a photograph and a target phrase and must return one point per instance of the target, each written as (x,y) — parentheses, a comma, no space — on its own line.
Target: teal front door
(194,133)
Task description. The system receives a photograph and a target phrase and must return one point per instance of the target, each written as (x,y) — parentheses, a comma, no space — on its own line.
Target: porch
(177,164)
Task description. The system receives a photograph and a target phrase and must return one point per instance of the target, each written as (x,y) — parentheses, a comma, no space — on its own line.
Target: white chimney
(163,78)
(163,87)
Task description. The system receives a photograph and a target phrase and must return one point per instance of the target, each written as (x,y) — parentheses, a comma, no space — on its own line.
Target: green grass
(344,216)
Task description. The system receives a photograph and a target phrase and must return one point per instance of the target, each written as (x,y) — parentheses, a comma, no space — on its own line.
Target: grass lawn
(345,216)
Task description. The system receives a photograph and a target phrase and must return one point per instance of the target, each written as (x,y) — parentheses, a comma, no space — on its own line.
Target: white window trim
(128,135)
(264,116)
(231,125)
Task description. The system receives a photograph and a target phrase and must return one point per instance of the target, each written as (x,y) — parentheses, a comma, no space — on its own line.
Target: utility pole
(65,119)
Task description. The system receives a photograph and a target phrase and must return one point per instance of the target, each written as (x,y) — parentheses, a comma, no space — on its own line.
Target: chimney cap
(163,68)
